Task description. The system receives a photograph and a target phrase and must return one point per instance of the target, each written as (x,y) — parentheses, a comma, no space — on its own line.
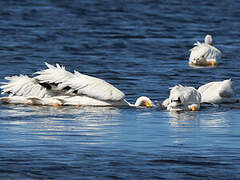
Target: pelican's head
(181,97)
(208,39)
(144,101)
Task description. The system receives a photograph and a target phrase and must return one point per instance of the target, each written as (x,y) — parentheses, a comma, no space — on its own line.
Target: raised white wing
(204,51)
(78,83)
(24,86)
(53,75)
(93,87)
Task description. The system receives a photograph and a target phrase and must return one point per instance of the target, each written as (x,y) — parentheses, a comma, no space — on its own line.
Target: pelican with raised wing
(57,86)
(204,54)
(218,92)
(183,98)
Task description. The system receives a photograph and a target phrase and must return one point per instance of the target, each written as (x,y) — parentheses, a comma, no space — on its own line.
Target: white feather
(204,53)
(71,89)
(89,101)
(52,101)
(92,87)
(14,100)
(217,92)
(182,98)
(53,74)
(79,83)
(24,86)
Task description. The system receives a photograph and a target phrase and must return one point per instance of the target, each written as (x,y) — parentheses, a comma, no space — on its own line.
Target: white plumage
(85,100)
(217,92)
(183,98)
(204,54)
(79,83)
(56,86)
(24,86)
(53,101)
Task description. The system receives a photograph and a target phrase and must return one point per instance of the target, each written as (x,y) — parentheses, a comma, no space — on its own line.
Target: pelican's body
(88,101)
(53,101)
(204,54)
(183,98)
(56,86)
(217,92)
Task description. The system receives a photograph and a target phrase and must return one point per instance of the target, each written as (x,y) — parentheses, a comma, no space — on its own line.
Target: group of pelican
(56,86)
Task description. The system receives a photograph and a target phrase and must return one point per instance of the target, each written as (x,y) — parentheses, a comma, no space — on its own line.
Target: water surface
(141,47)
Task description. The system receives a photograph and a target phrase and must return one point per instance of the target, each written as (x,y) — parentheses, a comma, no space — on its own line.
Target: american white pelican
(56,86)
(204,54)
(218,92)
(183,98)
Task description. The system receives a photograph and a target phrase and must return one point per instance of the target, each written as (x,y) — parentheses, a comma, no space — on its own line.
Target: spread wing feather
(23,85)
(53,74)
(92,87)
(79,83)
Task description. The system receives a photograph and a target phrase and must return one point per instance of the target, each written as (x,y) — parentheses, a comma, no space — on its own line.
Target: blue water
(141,47)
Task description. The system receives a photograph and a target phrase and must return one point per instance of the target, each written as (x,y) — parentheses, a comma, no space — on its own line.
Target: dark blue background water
(141,47)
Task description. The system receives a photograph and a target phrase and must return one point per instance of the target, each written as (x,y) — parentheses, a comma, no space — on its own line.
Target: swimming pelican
(204,54)
(218,92)
(56,86)
(183,98)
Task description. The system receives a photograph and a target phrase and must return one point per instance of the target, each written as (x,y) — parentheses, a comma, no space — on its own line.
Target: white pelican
(204,54)
(56,86)
(218,92)
(183,98)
